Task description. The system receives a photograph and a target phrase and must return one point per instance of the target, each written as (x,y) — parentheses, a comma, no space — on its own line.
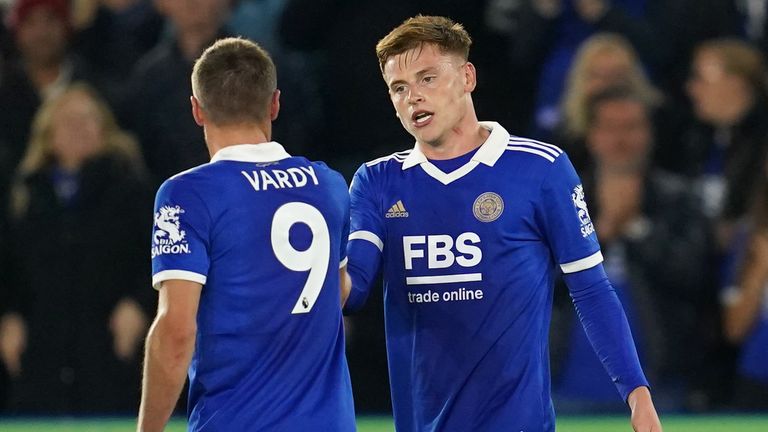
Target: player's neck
(460,140)
(218,137)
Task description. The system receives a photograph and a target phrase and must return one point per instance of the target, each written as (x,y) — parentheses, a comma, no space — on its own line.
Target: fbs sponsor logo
(168,237)
(397,211)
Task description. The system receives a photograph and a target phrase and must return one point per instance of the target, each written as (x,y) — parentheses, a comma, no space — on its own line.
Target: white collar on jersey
(488,153)
(264,152)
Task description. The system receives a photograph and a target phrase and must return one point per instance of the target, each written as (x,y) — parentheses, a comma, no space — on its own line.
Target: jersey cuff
(343,262)
(367,235)
(160,277)
(582,264)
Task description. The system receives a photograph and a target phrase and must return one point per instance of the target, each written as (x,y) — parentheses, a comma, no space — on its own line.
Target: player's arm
(346,284)
(169,347)
(644,417)
(742,303)
(365,246)
(607,329)
(565,220)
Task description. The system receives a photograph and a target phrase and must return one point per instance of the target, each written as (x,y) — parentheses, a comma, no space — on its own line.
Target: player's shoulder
(191,179)
(526,150)
(331,175)
(382,164)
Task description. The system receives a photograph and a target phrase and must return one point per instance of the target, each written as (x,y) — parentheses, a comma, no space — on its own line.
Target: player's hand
(13,342)
(128,325)
(345,283)
(644,417)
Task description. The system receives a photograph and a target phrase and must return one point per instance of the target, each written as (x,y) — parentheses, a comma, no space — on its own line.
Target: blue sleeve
(564,219)
(344,234)
(606,326)
(180,235)
(366,236)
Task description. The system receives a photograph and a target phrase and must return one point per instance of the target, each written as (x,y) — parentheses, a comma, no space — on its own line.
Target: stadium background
(334,108)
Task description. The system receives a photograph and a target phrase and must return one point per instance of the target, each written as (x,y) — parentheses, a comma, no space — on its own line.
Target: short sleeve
(565,219)
(180,234)
(365,239)
(365,216)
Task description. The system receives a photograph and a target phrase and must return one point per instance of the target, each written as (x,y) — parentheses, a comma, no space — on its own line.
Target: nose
(414,96)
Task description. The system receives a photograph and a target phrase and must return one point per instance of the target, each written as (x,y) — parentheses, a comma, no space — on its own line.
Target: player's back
(270,343)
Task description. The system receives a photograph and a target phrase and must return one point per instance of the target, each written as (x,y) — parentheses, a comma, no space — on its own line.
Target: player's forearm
(742,305)
(167,358)
(742,309)
(605,323)
(363,267)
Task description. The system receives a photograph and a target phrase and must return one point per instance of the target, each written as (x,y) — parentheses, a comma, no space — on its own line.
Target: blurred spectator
(300,104)
(654,238)
(745,304)
(112,35)
(602,61)
(550,31)
(725,149)
(157,107)
(755,13)
(79,290)
(41,30)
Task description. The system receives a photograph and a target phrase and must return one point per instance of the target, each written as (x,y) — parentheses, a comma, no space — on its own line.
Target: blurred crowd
(662,105)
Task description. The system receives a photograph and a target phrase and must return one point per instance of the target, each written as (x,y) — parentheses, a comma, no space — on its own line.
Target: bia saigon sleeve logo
(168,237)
(581,209)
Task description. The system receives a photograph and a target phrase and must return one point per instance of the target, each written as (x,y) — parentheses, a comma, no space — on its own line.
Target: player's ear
(470,77)
(197,111)
(274,105)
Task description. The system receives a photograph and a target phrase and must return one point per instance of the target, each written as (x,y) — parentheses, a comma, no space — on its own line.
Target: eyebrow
(419,74)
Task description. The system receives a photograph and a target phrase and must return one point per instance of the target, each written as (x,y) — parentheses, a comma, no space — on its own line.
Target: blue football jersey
(469,260)
(265,233)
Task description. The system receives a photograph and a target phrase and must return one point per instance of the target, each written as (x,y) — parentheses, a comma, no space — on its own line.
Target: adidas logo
(397,211)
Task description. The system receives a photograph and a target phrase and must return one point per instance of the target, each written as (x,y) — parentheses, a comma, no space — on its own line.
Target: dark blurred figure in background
(552,30)
(604,60)
(157,104)
(300,103)
(654,238)
(725,149)
(78,296)
(113,35)
(662,31)
(745,303)
(41,31)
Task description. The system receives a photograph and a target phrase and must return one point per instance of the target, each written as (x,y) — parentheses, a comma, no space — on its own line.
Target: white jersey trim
(264,152)
(582,264)
(532,151)
(369,236)
(535,143)
(160,277)
(399,157)
(553,150)
(488,153)
(343,262)
(446,178)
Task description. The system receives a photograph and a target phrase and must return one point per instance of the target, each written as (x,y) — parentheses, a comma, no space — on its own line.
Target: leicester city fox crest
(168,237)
(581,210)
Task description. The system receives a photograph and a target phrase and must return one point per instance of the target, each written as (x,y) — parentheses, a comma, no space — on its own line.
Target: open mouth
(421,118)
